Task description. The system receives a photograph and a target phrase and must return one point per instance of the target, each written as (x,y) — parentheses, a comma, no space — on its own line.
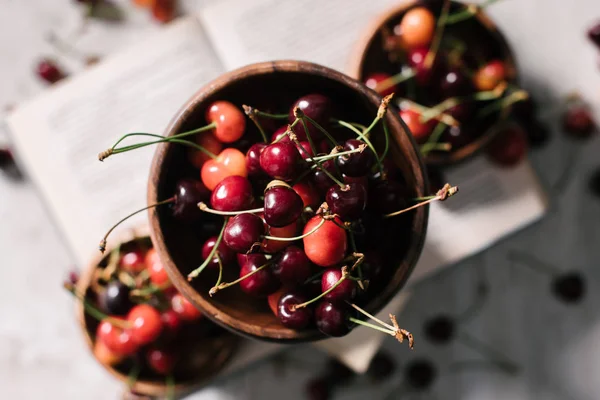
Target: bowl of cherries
(285,202)
(452,70)
(141,329)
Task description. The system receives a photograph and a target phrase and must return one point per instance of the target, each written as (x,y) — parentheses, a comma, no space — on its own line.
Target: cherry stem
(150,289)
(433,138)
(442,117)
(211,255)
(113,263)
(360,149)
(345,275)
(386,147)
(373,326)
(437,39)
(514,97)
(133,374)
(291,239)
(310,141)
(395,80)
(210,292)
(392,330)
(315,276)
(102,245)
(228,284)
(360,310)
(93,311)
(470,11)
(252,113)
(442,194)
(318,164)
(272,116)
(202,206)
(428,147)
(170,382)
(323,130)
(365,139)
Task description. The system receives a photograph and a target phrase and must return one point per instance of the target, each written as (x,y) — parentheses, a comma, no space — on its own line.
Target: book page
(58,136)
(321,31)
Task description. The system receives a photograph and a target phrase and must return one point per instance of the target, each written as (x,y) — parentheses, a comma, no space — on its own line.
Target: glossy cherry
(230,121)
(233,193)
(321,180)
(509,148)
(292,267)
(282,205)
(454,83)
(388,196)
(578,122)
(171,321)
(146,324)
(209,141)
(569,287)
(184,309)
(279,135)
(308,193)
(356,164)
(273,300)
(49,71)
(416,59)
(440,329)
(345,291)
(273,246)
(375,79)
(417,27)
(420,130)
(116,339)
(261,283)
(253,159)
(281,161)
(116,298)
(348,202)
(229,162)
(328,244)
(490,75)
(160,360)
(158,274)
(332,319)
(299,318)
(133,261)
(226,254)
(243,231)
(315,106)
(188,193)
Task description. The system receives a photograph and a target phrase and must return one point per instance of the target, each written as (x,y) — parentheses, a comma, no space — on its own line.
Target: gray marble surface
(555,346)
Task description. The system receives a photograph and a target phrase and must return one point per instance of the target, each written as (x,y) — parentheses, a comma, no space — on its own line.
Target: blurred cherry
(49,71)
(509,147)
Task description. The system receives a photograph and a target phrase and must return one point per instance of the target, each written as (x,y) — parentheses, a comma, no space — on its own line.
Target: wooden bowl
(179,246)
(210,354)
(369,57)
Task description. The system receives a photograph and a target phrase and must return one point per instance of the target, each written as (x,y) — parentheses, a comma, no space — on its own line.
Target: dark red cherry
(375,79)
(226,254)
(253,159)
(161,361)
(343,292)
(304,149)
(440,329)
(146,324)
(282,206)
(298,318)
(594,34)
(382,366)
(133,261)
(462,112)
(171,322)
(569,287)
(188,193)
(416,59)
(420,374)
(292,267)
(454,83)
(243,231)
(356,164)
(458,136)
(388,196)
(49,71)
(332,319)
(578,121)
(315,106)
(261,283)
(116,298)
(348,202)
(233,193)
(278,135)
(321,180)
(281,161)
(6,158)
(509,148)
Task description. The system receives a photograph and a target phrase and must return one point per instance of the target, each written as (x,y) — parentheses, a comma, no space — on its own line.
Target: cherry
(328,244)
(281,160)
(509,148)
(229,162)
(49,71)
(416,28)
(116,298)
(458,136)
(226,254)
(462,112)
(343,292)
(133,261)
(243,231)
(388,196)
(116,339)
(304,149)
(332,319)
(318,389)
(292,267)
(315,106)
(233,193)
(146,324)
(184,309)
(440,329)
(308,193)
(420,374)
(355,164)
(490,75)
(594,183)
(454,83)
(158,274)
(261,283)
(299,318)
(375,79)
(594,34)
(188,193)
(282,205)
(273,300)
(569,287)
(106,356)
(171,321)
(253,159)
(288,231)
(420,130)
(209,141)
(6,158)
(279,135)
(578,121)
(382,366)
(163,10)
(348,202)
(416,59)
(160,360)
(321,180)
(230,121)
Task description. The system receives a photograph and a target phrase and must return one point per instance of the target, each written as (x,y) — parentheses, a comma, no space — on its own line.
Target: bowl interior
(480,36)
(274,87)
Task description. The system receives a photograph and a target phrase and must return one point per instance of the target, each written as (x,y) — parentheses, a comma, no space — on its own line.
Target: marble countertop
(555,346)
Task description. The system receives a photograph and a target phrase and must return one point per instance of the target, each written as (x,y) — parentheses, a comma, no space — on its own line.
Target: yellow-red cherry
(117,340)
(490,75)
(416,28)
(230,121)
(209,141)
(146,324)
(184,309)
(229,162)
(420,130)
(328,244)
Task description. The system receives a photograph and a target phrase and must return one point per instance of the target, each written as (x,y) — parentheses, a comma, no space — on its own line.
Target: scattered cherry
(355,164)
(243,231)
(230,121)
(328,244)
(184,309)
(261,283)
(133,261)
(282,205)
(578,121)
(440,329)
(490,75)
(332,319)
(49,71)
(229,162)
(292,267)
(345,291)
(569,287)
(160,360)
(420,374)
(281,160)
(226,254)
(146,324)
(116,298)
(382,366)
(348,202)
(315,106)
(188,193)
(509,148)
(420,130)
(299,318)
(416,28)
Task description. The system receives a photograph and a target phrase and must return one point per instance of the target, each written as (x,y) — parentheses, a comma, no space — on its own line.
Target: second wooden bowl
(279,83)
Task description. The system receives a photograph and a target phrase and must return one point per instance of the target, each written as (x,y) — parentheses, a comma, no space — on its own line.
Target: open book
(58,135)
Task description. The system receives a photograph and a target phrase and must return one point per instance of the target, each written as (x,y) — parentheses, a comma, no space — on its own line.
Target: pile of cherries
(307,215)
(451,88)
(142,323)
